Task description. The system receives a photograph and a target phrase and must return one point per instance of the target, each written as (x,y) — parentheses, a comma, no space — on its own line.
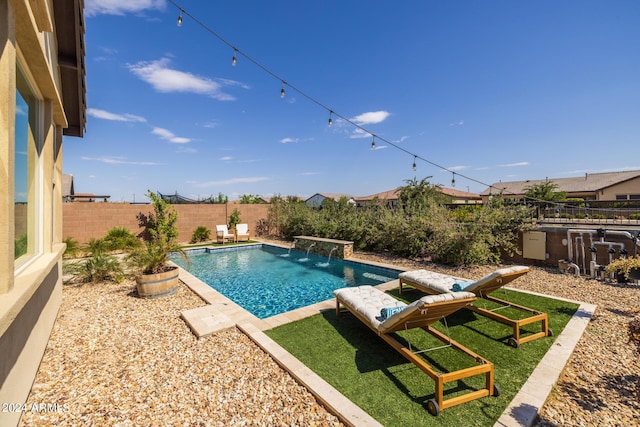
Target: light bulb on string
(373,142)
(330,119)
(453,179)
(282,90)
(180,18)
(234,60)
(414,162)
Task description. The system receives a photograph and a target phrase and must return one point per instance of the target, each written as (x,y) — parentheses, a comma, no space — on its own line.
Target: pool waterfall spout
(326,264)
(306,258)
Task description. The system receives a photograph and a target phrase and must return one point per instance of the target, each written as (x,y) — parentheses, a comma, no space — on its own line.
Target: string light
(234,60)
(414,162)
(282,90)
(453,179)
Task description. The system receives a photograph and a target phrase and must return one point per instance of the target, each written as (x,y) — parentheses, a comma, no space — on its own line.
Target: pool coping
(221,313)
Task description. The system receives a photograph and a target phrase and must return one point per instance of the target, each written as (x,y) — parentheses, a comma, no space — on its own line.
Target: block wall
(84,221)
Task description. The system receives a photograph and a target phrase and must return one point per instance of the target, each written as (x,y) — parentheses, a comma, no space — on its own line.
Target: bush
(73,248)
(120,239)
(419,228)
(200,234)
(99,267)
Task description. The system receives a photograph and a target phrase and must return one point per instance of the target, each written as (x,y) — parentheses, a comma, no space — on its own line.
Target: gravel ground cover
(114,359)
(117,360)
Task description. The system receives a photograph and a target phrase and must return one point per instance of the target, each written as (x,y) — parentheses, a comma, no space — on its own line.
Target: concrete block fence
(84,221)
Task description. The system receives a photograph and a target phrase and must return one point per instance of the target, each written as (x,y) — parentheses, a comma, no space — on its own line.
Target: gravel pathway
(117,360)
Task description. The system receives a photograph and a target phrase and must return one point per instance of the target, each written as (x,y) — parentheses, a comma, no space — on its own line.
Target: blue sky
(491,90)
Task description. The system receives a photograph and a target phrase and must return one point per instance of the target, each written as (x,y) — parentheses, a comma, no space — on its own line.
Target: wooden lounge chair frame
(425,315)
(483,292)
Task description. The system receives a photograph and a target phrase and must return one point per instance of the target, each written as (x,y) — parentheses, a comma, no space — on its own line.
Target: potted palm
(625,268)
(155,277)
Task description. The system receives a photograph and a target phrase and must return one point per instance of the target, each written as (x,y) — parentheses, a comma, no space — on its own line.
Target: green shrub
(634,216)
(200,234)
(120,239)
(99,267)
(421,227)
(73,248)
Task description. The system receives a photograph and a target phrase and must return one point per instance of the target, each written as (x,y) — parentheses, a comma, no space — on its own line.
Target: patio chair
(431,282)
(242,232)
(370,305)
(222,234)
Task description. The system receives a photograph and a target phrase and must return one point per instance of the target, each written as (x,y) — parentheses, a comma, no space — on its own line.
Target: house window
(26,172)
(634,197)
(621,197)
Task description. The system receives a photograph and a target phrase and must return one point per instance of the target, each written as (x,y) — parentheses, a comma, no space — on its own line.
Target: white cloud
(380,147)
(169,136)
(458,123)
(457,168)
(164,79)
(226,158)
(120,7)
(289,140)
(370,118)
(106,115)
(359,133)
(120,161)
(512,165)
(230,181)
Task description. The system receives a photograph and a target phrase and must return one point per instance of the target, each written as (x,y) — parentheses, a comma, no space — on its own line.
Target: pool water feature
(264,283)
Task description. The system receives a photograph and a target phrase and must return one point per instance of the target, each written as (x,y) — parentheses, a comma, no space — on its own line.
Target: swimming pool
(267,280)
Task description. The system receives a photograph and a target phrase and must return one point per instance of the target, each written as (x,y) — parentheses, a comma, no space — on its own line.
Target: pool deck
(221,313)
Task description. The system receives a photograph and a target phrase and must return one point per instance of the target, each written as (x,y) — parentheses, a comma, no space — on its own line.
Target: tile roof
(590,182)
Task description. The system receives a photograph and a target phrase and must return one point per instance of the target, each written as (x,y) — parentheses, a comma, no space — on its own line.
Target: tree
(418,194)
(545,191)
(250,199)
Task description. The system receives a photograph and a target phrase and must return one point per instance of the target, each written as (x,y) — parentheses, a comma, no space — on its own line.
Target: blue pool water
(267,280)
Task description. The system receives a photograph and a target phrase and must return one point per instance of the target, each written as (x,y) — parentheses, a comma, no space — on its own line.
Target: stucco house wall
(31,275)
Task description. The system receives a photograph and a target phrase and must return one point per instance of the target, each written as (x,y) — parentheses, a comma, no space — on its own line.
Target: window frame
(35,166)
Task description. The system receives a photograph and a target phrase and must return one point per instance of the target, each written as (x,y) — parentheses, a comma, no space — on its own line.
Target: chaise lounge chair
(242,232)
(367,304)
(436,283)
(222,234)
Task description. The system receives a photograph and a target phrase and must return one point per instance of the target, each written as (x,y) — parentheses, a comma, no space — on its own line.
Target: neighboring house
(316,200)
(390,198)
(591,186)
(69,194)
(67,188)
(42,98)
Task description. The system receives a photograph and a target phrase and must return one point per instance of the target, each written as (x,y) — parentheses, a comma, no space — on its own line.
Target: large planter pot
(634,274)
(158,285)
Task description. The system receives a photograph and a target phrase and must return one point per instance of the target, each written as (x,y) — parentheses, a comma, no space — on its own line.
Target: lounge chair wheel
(549,332)
(513,342)
(432,407)
(496,390)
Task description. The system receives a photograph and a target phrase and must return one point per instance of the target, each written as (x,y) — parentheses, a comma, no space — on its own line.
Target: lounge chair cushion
(489,277)
(440,283)
(369,301)
(443,283)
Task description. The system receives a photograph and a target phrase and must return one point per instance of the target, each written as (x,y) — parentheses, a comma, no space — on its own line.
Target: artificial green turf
(347,354)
